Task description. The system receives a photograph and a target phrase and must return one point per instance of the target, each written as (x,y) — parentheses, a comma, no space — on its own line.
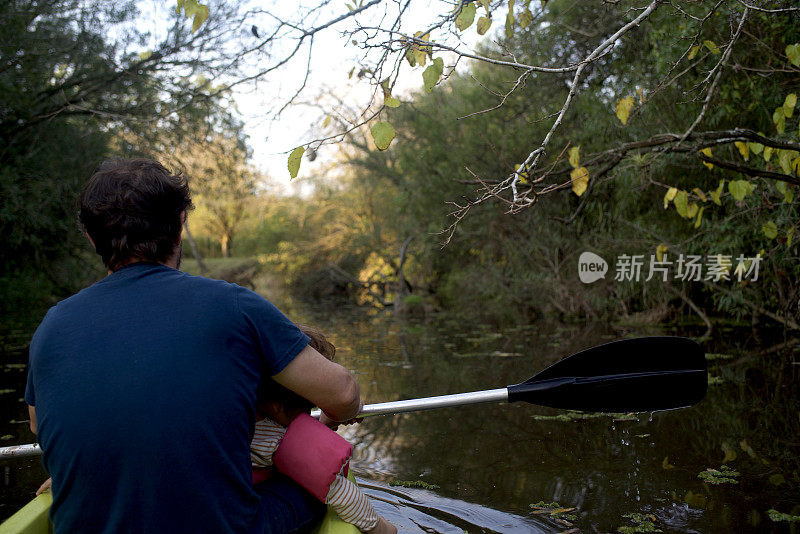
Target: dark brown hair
(131,208)
(271,391)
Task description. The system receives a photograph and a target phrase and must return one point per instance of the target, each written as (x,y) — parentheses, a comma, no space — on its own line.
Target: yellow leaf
(744,150)
(697,191)
(665,463)
(747,448)
(670,194)
(660,250)
(525,18)
(707,152)
(421,51)
(730,453)
(580,180)
(294,161)
(691,210)
(391,102)
(712,47)
(624,107)
(693,51)
(575,156)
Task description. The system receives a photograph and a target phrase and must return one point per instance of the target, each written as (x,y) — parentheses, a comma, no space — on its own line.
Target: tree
(222,183)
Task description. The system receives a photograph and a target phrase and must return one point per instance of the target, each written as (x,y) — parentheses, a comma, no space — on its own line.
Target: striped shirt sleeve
(268,434)
(351,505)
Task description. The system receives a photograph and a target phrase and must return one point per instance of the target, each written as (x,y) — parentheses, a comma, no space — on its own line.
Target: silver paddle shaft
(431,403)
(20,451)
(383,408)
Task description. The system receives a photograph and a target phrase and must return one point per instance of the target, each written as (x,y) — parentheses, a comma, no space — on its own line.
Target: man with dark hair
(142,387)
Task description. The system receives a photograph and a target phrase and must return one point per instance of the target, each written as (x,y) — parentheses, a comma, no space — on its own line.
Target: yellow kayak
(33,519)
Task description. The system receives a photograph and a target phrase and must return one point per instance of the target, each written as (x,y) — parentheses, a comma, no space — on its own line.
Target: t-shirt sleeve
(30,393)
(30,396)
(278,338)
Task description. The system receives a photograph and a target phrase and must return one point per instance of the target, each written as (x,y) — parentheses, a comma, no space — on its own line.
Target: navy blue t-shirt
(145,387)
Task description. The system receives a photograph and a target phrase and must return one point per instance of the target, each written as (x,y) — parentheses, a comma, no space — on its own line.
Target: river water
(522,468)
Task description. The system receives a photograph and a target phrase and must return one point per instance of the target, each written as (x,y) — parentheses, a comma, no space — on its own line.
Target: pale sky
(332,59)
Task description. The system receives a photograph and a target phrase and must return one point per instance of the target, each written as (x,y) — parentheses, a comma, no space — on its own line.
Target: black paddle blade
(631,375)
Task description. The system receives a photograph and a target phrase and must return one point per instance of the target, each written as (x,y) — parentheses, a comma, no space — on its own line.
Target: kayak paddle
(643,374)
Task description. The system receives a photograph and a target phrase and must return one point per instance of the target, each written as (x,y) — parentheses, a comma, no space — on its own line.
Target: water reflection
(508,457)
(492,462)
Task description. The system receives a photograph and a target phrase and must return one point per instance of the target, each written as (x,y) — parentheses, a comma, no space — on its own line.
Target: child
(286,436)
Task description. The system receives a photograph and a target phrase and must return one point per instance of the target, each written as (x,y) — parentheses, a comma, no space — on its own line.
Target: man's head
(132,210)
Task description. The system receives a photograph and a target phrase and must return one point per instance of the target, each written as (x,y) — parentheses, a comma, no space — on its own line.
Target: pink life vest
(312,455)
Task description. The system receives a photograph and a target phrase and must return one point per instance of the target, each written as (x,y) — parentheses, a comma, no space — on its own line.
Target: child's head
(273,398)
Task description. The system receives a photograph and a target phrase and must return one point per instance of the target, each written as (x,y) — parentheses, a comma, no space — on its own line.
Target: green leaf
(575,156)
(785,158)
(624,107)
(767,153)
(382,133)
(699,218)
(525,18)
(466,16)
(716,195)
(693,52)
(660,250)
(740,189)
(681,203)
(793,53)
(580,180)
(777,479)
(784,189)
(485,4)
(691,210)
(484,23)
(789,235)
(391,102)
(431,75)
(770,230)
(670,194)
(510,20)
(294,161)
(145,55)
(756,148)
(779,119)
(788,105)
(712,47)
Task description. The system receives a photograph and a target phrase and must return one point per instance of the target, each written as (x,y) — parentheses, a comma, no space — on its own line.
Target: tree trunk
(225,244)
(195,250)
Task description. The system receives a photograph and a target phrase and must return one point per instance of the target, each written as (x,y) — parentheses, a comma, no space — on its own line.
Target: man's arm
(325,383)
(32,415)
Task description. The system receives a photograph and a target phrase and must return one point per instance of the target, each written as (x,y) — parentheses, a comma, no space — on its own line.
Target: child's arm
(266,438)
(352,506)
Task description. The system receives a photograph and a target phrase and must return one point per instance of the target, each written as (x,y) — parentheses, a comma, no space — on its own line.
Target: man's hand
(334,425)
(45,486)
